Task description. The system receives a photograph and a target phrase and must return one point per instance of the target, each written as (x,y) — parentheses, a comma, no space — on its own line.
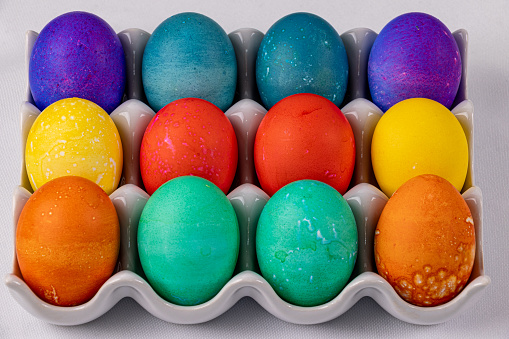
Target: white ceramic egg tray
(365,199)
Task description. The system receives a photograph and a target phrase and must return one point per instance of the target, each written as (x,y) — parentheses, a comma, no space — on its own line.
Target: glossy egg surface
(77,54)
(304,136)
(188,240)
(74,137)
(301,53)
(306,242)
(189,55)
(67,240)
(189,137)
(418,136)
(414,56)
(425,241)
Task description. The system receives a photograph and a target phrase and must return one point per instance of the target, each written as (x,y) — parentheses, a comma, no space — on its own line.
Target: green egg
(188,240)
(306,242)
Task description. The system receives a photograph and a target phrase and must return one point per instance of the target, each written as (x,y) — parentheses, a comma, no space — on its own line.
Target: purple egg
(414,56)
(77,55)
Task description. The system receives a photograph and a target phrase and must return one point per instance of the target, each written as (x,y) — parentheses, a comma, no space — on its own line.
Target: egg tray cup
(248,200)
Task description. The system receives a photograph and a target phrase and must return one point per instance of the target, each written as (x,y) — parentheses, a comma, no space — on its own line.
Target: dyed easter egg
(301,53)
(418,136)
(414,56)
(306,242)
(304,136)
(189,137)
(67,240)
(74,137)
(425,241)
(189,55)
(188,240)
(77,54)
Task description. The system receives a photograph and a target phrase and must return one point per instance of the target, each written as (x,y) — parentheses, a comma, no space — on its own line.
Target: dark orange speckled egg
(425,241)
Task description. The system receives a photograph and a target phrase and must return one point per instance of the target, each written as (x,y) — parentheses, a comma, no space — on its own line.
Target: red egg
(188,137)
(304,136)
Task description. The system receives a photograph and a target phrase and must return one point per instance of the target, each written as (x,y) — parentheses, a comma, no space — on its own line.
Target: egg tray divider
(364,198)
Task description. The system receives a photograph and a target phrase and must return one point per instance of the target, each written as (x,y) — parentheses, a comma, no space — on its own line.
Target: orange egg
(425,241)
(67,240)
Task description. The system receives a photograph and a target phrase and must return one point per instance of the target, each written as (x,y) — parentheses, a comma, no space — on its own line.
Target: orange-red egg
(304,136)
(67,240)
(425,241)
(189,137)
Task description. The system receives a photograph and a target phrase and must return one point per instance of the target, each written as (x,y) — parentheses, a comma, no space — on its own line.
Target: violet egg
(79,55)
(414,56)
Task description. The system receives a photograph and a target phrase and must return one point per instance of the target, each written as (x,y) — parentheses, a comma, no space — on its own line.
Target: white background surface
(488,87)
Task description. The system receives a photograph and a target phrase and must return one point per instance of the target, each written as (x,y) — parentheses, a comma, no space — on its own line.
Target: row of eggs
(67,241)
(189,55)
(72,114)
(304,136)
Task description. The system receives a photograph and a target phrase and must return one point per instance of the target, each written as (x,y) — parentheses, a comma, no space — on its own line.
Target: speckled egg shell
(188,240)
(79,55)
(425,241)
(67,240)
(306,242)
(189,137)
(189,55)
(301,53)
(414,56)
(74,137)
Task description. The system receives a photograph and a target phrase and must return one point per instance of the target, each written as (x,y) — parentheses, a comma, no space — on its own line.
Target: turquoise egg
(301,53)
(189,55)
(188,240)
(306,242)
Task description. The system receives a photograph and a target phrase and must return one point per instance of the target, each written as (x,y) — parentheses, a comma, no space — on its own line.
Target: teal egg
(306,242)
(301,53)
(189,56)
(188,240)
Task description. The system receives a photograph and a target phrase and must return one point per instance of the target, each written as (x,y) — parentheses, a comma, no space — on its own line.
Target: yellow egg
(74,137)
(418,136)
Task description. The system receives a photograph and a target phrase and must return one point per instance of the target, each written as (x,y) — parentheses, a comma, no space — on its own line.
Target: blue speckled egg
(189,55)
(188,240)
(414,56)
(306,242)
(77,55)
(301,53)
